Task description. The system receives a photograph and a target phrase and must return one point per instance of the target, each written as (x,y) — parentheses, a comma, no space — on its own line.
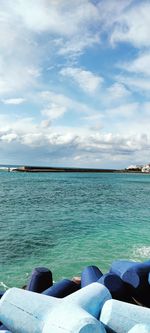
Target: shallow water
(66,221)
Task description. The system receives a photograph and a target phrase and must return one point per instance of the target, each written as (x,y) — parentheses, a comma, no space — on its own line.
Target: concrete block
(140,328)
(3,328)
(62,288)
(40,280)
(117,287)
(89,275)
(2,292)
(22,311)
(136,275)
(120,317)
(72,319)
(90,298)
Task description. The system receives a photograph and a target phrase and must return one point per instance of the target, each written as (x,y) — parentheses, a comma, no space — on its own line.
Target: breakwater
(117,301)
(58,169)
(69,169)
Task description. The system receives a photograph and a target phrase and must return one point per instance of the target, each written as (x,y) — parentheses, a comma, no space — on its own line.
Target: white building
(146,168)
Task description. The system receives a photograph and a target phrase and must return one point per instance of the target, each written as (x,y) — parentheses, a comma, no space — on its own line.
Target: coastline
(69,169)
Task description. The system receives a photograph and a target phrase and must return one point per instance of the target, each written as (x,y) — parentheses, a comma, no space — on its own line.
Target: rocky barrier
(115,302)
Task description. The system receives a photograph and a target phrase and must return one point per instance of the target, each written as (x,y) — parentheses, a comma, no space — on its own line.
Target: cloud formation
(14,101)
(133,25)
(86,80)
(75,82)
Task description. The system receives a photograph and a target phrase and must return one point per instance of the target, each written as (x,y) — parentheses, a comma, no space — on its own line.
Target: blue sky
(75,82)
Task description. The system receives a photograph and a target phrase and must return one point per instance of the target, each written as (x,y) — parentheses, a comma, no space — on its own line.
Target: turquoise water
(66,221)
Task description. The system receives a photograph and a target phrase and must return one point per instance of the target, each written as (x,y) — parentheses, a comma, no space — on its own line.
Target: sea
(67,221)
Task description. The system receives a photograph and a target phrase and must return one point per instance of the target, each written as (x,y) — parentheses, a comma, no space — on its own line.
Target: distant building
(131,167)
(146,168)
(134,168)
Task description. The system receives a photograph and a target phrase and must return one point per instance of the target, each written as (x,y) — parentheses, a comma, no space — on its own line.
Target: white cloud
(132,117)
(14,101)
(41,34)
(18,60)
(80,144)
(54,111)
(9,137)
(133,25)
(110,11)
(86,80)
(62,102)
(46,123)
(140,65)
(50,97)
(126,110)
(55,105)
(116,93)
(77,45)
(15,78)
(137,73)
(62,25)
(33,139)
(136,83)
(56,16)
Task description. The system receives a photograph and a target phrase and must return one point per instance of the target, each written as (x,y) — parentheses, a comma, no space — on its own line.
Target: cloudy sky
(75,82)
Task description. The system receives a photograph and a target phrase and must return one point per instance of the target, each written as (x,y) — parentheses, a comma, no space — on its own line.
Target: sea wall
(117,301)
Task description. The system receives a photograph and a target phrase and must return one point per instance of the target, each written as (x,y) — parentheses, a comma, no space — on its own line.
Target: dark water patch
(17,246)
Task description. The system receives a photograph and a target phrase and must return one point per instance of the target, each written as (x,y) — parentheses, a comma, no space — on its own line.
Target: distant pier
(70,169)
(59,169)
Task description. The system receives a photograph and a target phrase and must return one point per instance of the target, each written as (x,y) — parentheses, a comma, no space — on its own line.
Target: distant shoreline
(69,169)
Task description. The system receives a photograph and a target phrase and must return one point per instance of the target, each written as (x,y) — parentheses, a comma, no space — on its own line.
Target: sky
(75,82)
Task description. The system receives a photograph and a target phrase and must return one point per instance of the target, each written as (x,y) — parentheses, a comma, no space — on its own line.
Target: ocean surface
(66,221)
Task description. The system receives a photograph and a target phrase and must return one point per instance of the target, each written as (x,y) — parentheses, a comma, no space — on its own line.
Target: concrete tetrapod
(140,328)
(120,317)
(89,275)
(23,311)
(40,279)
(2,293)
(3,329)
(118,289)
(62,288)
(136,274)
(72,319)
